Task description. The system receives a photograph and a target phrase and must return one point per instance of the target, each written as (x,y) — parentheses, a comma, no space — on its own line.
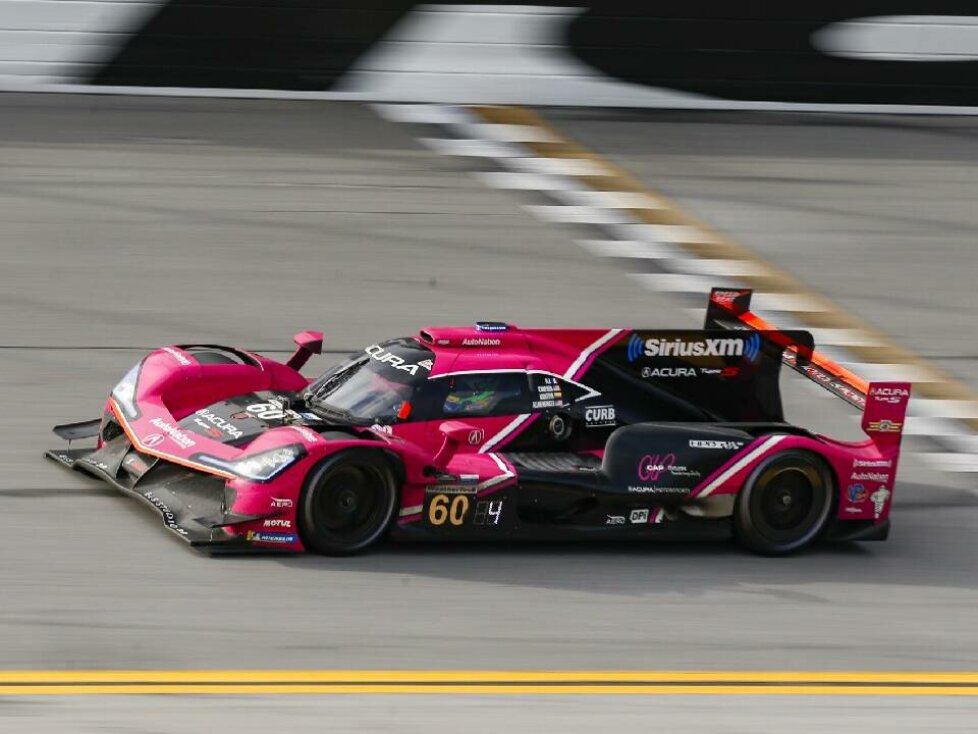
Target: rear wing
(884,404)
(730,309)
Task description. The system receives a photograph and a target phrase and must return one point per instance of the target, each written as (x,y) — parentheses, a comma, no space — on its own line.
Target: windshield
(376,385)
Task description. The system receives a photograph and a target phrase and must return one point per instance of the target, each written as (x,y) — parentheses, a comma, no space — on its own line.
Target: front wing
(192,505)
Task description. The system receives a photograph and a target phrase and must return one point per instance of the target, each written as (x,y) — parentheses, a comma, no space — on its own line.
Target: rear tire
(348,503)
(785,503)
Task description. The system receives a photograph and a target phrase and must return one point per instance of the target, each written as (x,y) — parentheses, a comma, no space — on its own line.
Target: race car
(498,432)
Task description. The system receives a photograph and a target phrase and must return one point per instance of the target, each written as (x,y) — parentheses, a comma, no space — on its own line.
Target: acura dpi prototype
(498,432)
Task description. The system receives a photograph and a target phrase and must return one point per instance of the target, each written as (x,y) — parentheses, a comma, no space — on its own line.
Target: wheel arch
(823,465)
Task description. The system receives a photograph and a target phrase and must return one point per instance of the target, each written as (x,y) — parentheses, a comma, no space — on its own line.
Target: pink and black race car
(494,431)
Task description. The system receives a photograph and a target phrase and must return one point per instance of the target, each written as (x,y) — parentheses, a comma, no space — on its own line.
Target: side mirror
(308,343)
(455,433)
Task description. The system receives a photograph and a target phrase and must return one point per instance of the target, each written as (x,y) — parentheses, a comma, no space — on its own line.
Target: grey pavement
(491,714)
(876,212)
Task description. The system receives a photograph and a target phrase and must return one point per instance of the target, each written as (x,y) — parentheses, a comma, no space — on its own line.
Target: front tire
(785,503)
(348,503)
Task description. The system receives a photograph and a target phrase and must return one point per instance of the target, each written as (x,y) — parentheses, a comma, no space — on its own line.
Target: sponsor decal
(650,467)
(857,493)
(386,430)
(427,364)
(262,537)
(273,410)
(727,298)
(891,395)
(152,440)
(853,510)
(491,326)
(476,436)
(615,520)
(872,464)
(454,489)
(178,437)
(720,371)
(280,502)
(481,342)
(816,374)
(308,434)
(382,355)
(869,476)
(884,426)
(650,372)
(133,462)
(222,426)
(658,490)
(169,519)
(879,498)
(178,356)
(846,391)
(725,445)
(96,463)
(277,522)
(638,517)
(748,347)
(209,430)
(599,416)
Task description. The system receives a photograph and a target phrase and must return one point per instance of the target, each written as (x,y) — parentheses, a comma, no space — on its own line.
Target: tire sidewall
(311,538)
(746,529)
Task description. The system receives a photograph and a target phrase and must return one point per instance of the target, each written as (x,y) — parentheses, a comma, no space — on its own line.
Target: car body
(497,432)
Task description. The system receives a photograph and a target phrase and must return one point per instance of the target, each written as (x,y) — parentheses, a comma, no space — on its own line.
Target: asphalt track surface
(874,211)
(129,223)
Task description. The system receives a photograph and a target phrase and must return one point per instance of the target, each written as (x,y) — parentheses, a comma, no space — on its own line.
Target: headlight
(262,466)
(125,392)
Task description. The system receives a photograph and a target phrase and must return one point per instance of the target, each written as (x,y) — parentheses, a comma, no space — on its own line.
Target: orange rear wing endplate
(729,308)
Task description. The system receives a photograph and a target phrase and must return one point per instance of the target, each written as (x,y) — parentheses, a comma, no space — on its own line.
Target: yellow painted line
(713,244)
(582,682)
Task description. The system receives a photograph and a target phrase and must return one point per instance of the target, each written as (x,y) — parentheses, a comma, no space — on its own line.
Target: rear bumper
(858,530)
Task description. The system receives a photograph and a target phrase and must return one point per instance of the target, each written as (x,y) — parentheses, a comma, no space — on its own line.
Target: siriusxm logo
(748,347)
(635,347)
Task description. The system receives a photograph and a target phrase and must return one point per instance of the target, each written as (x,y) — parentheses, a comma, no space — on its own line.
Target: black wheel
(785,503)
(348,503)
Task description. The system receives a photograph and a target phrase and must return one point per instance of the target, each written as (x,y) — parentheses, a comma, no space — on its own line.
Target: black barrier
(760,50)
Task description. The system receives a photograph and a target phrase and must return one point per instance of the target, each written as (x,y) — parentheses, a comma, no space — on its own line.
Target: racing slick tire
(348,503)
(785,503)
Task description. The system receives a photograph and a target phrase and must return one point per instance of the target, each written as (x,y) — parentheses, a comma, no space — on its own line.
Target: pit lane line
(581,682)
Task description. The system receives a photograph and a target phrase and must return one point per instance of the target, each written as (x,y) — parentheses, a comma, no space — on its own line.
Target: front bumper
(192,505)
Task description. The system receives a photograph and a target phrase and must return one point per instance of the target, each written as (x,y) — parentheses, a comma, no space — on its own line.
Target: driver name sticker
(549,394)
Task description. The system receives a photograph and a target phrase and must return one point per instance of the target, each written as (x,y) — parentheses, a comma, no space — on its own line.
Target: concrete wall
(637,53)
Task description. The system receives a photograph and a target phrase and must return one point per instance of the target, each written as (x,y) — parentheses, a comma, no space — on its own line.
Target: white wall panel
(64,41)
